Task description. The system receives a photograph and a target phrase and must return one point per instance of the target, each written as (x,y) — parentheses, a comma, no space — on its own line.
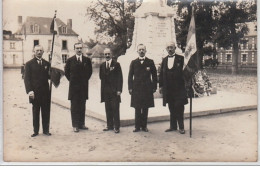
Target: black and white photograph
(129,82)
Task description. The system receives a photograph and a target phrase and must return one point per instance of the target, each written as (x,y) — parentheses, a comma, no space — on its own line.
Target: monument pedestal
(154,27)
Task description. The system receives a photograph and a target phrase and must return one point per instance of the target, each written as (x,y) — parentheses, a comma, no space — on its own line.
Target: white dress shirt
(171,61)
(141,58)
(108,62)
(79,57)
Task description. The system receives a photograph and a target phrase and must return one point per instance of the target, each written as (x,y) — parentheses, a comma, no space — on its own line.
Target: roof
(97,51)
(44,24)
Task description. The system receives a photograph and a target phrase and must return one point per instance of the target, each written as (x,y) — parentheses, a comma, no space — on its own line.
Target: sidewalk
(222,102)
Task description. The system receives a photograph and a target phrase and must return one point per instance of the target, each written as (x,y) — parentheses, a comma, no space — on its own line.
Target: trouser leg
(45,110)
(36,117)
(144,117)
(116,114)
(179,112)
(109,114)
(173,120)
(137,118)
(75,111)
(82,114)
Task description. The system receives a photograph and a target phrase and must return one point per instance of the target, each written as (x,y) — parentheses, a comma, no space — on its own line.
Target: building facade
(12,50)
(247,56)
(36,31)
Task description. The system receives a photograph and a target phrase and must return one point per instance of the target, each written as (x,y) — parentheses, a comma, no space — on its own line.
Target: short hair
(141,44)
(77,44)
(38,46)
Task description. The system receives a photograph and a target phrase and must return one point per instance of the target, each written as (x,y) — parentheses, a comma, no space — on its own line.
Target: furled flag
(191,64)
(57,68)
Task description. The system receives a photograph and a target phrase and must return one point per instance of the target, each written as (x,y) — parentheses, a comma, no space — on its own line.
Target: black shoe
(182,131)
(83,127)
(145,129)
(47,133)
(169,130)
(116,130)
(136,130)
(75,129)
(107,129)
(35,134)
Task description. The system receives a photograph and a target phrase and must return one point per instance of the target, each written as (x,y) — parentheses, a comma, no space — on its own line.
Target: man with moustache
(111,77)
(142,83)
(172,87)
(36,77)
(78,70)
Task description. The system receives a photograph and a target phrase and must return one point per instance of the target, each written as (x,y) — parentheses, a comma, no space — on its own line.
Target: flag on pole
(57,68)
(191,62)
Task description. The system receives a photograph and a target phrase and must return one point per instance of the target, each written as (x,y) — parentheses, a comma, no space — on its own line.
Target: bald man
(37,87)
(172,86)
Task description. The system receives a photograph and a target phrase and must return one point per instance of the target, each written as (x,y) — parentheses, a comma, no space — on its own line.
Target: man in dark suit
(37,87)
(111,87)
(172,86)
(78,70)
(142,83)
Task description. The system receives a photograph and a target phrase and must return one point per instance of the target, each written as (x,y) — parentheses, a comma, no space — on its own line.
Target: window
(229,58)
(36,28)
(64,58)
(12,45)
(244,46)
(32,28)
(64,45)
(35,42)
(243,57)
(64,30)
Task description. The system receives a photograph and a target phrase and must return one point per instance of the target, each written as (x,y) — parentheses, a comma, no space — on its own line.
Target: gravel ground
(228,137)
(246,84)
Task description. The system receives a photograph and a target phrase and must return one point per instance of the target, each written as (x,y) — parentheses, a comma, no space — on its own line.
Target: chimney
(69,23)
(20,20)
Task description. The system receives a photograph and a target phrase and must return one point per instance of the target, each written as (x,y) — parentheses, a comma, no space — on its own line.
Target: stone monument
(154,27)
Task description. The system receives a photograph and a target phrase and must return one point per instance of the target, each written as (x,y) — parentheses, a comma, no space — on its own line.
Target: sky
(66,9)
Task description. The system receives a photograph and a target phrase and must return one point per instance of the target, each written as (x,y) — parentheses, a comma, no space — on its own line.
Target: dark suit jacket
(78,75)
(36,79)
(178,89)
(111,80)
(142,79)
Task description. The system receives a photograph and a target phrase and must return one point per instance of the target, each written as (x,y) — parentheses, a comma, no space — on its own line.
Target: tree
(232,26)
(91,43)
(204,19)
(115,19)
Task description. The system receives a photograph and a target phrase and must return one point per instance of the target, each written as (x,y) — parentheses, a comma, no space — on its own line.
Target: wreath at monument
(201,84)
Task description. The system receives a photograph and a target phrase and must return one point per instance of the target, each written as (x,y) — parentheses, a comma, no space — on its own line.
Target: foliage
(91,43)
(114,19)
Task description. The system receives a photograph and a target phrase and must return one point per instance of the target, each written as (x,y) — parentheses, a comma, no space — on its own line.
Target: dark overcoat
(142,80)
(36,79)
(111,80)
(78,74)
(178,89)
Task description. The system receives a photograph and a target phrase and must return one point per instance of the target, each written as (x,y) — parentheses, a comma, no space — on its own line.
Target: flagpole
(50,58)
(190,108)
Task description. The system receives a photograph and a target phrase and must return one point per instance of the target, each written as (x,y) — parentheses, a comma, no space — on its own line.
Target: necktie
(39,61)
(78,59)
(107,65)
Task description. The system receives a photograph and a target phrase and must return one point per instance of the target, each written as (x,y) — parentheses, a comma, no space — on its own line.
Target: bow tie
(142,59)
(171,56)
